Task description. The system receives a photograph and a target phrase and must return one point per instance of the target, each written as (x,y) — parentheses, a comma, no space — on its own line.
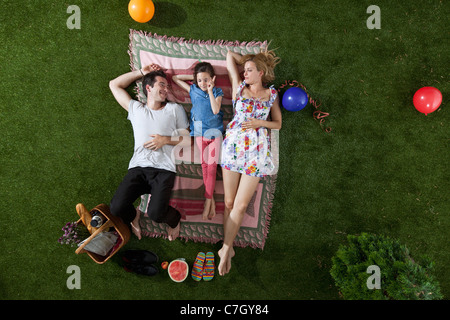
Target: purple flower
(73,233)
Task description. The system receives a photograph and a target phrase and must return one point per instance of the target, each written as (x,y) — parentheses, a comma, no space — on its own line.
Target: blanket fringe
(225,43)
(237,243)
(269,208)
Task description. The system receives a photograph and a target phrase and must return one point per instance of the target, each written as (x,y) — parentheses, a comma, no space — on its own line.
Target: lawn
(383,167)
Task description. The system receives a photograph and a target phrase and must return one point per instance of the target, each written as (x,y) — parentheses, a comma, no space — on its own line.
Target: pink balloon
(427,99)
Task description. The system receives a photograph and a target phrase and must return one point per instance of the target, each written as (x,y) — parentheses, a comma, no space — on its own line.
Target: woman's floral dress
(248,150)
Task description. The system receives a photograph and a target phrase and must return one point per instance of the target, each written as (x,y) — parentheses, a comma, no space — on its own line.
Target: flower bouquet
(74,233)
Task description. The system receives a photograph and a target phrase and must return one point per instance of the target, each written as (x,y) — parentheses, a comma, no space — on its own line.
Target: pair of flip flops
(203,267)
(140,262)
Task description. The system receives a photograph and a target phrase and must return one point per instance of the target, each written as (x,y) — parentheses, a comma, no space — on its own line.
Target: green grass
(383,169)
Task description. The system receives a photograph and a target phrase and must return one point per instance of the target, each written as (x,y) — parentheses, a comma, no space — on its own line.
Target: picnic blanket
(179,56)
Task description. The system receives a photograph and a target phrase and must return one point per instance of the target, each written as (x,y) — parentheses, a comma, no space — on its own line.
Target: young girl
(206,125)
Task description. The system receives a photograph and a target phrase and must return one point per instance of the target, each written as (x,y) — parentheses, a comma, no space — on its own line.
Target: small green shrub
(401,277)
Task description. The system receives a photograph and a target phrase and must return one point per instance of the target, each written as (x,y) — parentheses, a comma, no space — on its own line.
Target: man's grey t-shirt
(165,122)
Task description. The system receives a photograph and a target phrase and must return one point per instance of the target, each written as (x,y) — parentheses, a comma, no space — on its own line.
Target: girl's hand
(252,123)
(211,84)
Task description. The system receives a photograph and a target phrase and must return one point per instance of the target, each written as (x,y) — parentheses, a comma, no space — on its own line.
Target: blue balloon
(294,99)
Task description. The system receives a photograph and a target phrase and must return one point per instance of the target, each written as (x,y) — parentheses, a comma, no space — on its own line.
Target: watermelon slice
(178,270)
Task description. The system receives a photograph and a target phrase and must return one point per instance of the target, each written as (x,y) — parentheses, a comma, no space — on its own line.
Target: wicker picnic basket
(111,222)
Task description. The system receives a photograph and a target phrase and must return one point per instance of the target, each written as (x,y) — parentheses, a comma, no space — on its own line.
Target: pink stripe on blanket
(186,66)
(191,211)
(191,208)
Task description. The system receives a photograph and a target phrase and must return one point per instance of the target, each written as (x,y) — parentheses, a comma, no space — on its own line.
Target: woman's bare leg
(246,189)
(230,184)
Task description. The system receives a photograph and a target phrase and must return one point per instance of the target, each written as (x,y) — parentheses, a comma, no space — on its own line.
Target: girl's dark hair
(203,67)
(150,79)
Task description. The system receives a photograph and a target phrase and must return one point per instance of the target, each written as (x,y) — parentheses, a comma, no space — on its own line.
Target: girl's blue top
(203,121)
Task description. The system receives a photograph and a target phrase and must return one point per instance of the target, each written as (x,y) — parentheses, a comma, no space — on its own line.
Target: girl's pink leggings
(210,150)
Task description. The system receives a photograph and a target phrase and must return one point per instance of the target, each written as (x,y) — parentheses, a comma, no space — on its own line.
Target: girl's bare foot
(212,210)
(206,209)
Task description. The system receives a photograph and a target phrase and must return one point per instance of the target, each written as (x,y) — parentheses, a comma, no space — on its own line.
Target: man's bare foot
(225,255)
(173,233)
(135,227)
(206,209)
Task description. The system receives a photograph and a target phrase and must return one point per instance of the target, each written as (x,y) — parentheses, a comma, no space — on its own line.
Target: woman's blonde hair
(265,61)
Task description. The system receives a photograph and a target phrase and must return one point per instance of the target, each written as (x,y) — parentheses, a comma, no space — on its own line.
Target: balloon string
(318,114)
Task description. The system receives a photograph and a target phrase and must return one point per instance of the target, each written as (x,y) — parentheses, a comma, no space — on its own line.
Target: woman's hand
(251,123)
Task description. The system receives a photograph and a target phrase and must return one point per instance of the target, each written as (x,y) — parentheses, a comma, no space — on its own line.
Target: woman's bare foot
(225,254)
(135,227)
(173,233)
(206,209)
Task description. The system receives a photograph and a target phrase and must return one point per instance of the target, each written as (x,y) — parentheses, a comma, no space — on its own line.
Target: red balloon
(427,99)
